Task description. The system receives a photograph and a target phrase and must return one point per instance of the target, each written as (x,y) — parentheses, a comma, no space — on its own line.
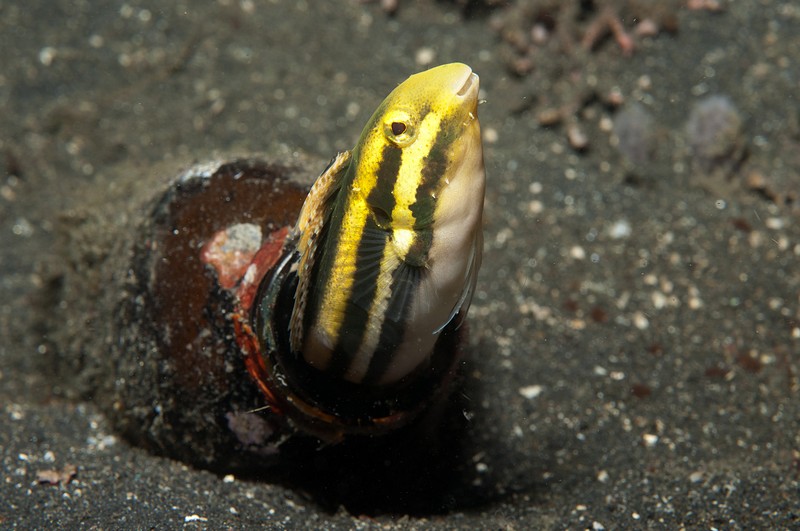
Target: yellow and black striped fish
(390,235)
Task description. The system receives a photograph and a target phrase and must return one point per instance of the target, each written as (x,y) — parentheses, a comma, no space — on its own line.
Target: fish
(390,236)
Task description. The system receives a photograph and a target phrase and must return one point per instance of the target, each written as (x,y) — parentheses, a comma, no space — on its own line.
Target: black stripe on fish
(367,267)
(405,280)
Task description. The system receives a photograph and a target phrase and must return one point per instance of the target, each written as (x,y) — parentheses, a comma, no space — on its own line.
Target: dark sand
(635,337)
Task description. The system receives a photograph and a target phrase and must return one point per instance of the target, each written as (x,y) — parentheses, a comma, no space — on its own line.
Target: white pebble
(577,252)
(696,477)
(620,229)
(531,391)
(46,55)
(774,223)
(640,321)
(490,135)
(425,56)
(535,207)
(659,300)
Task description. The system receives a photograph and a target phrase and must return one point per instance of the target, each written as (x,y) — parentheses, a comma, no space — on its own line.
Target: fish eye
(398,126)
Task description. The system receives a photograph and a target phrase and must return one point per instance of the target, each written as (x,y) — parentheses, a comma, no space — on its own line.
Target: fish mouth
(469,85)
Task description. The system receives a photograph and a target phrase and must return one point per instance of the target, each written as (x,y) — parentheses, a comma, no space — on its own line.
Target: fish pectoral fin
(367,287)
(405,281)
(308,232)
(385,283)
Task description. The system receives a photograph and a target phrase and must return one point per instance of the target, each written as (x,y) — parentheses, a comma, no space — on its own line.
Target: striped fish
(390,235)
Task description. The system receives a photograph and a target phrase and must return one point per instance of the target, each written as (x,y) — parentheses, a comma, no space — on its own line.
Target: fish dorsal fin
(307,232)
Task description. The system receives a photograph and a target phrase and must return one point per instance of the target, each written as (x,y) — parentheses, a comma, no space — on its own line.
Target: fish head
(415,147)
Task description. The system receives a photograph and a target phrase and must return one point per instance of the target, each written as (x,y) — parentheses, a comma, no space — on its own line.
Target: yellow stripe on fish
(390,236)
